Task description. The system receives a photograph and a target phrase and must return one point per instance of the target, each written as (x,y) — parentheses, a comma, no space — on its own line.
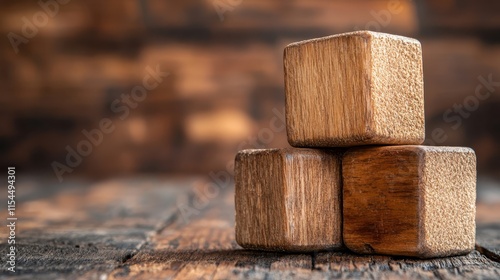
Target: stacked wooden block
(358,176)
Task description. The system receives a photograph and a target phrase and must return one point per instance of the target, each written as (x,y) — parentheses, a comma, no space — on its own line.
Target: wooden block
(288,199)
(353,89)
(409,200)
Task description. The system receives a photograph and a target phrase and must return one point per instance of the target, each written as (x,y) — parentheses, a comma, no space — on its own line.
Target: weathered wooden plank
(93,233)
(488,241)
(205,248)
(73,252)
(348,266)
(88,231)
(488,222)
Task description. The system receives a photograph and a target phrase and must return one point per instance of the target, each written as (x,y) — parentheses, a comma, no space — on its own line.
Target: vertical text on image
(11,218)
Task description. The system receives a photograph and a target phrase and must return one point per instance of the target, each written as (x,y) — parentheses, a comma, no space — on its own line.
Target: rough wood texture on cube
(414,201)
(288,199)
(356,88)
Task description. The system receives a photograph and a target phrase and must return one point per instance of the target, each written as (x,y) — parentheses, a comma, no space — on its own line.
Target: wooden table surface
(149,228)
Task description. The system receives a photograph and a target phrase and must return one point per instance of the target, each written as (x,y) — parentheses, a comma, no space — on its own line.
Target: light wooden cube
(352,89)
(409,200)
(288,199)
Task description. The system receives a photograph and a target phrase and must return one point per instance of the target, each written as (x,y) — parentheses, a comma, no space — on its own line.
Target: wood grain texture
(97,240)
(205,248)
(488,241)
(288,199)
(353,89)
(346,266)
(409,200)
(78,230)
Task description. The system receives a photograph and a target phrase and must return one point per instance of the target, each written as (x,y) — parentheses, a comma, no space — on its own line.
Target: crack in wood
(488,254)
(313,261)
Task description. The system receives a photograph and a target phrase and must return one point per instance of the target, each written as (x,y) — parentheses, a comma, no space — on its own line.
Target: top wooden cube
(359,88)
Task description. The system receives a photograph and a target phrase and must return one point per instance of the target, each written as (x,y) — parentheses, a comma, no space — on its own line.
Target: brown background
(225,79)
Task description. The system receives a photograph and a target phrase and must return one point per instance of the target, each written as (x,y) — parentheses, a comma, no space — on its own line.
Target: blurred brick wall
(224,59)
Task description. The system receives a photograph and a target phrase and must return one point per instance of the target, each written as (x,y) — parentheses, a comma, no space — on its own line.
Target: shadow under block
(288,199)
(358,88)
(414,201)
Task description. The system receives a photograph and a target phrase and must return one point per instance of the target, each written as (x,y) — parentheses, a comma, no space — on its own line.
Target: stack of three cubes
(358,176)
